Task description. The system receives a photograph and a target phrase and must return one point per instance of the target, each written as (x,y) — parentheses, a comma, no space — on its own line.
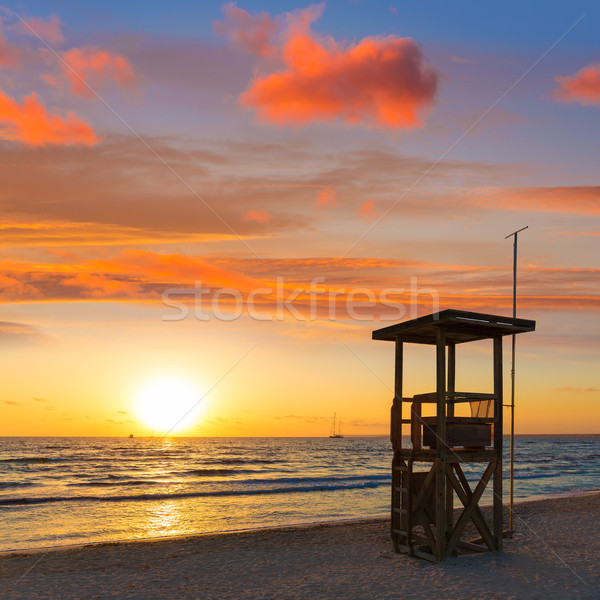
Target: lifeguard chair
(423,498)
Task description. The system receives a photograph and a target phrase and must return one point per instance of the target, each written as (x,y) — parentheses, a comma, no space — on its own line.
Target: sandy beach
(554,554)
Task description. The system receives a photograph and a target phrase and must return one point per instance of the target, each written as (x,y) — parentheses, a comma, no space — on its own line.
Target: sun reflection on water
(168,518)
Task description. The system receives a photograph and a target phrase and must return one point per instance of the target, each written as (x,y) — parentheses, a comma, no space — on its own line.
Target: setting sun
(169,404)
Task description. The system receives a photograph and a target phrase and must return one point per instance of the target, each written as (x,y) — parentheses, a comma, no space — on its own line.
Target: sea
(70,491)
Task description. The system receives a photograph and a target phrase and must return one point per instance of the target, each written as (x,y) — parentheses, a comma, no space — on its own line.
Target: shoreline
(266,528)
(553,555)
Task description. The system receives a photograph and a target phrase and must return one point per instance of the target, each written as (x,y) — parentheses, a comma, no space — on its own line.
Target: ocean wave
(5,485)
(242,461)
(534,475)
(183,495)
(212,472)
(30,460)
(319,479)
(557,472)
(473,477)
(101,483)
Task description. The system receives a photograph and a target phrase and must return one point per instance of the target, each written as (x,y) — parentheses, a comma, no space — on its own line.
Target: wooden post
(398,372)
(440,463)
(451,376)
(441,387)
(450,413)
(498,408)
(397,476)
(416,416)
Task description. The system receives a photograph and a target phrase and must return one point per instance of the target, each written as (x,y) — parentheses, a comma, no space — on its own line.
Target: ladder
(401,505)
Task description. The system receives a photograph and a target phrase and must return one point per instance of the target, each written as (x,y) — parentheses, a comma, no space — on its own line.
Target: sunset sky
(292,176)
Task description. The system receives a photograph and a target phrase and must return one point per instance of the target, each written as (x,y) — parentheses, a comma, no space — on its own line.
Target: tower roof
(460,326)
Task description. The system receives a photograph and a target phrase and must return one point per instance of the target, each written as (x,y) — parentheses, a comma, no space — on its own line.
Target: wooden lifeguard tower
(423,498)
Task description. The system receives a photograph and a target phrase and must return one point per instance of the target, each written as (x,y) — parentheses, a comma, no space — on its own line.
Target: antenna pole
(512,382)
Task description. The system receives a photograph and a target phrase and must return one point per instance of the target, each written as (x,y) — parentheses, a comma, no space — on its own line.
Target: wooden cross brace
(470,500)
(421,511)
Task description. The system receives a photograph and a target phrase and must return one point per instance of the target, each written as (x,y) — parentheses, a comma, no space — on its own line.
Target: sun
(169,404)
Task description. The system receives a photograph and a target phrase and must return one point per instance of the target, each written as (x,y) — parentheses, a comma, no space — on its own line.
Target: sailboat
(334,433)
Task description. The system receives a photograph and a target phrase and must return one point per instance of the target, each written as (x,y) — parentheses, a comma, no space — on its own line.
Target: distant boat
(130,435)
(336,433)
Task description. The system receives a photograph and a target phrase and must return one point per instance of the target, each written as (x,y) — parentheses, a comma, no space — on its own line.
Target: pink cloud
(10,54)
(260,216)
(29,122)
(326,197)
(93,67)
(580,199)
(49,31)
(255,34)
(381,81)
(583,87)
(579,233)
(367,210)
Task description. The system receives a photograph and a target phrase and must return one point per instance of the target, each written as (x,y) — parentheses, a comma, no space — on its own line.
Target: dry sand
(554,554)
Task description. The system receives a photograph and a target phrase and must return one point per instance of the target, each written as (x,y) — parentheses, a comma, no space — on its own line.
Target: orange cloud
(49,30)
(12,286)
(34,232)
(367,210)
(382,81)
(91,67)
(170,267)
(583,87)
(255,34)
(100,286)
(326,197)
(260,216)
(30,123)
(136,275)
